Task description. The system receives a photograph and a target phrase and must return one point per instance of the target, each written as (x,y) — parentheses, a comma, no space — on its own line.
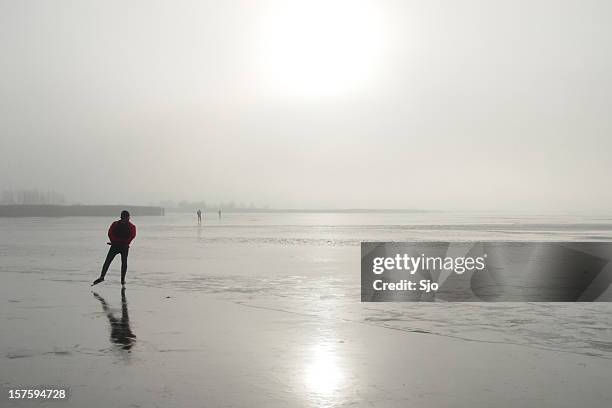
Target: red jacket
(122,234)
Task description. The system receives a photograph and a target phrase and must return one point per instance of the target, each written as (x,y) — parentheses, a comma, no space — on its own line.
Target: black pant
(112,252)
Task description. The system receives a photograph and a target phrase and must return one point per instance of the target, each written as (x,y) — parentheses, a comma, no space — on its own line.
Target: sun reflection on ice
(322,374)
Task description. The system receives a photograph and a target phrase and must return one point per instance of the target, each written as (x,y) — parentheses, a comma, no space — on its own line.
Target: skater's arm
(132,232)
(111,235)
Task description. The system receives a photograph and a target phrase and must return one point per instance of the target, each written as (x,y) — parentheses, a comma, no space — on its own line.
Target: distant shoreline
(42,210)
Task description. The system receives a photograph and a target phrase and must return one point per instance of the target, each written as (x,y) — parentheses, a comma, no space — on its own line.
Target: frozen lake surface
(309,264)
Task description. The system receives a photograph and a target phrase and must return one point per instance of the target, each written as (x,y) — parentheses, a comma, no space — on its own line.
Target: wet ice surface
(309,264)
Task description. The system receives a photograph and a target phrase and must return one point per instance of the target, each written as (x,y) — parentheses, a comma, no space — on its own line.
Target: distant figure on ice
(199,212)
(219,214)
(121,233)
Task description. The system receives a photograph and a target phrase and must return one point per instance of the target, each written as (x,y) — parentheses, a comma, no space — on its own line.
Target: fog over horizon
(469,105)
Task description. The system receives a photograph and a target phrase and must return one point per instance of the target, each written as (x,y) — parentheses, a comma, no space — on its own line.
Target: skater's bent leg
(109,258)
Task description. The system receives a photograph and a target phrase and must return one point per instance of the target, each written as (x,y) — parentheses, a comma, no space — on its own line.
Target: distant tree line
(31,197)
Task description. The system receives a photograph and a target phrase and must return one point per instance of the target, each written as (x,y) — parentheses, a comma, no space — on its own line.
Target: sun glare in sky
(320,48)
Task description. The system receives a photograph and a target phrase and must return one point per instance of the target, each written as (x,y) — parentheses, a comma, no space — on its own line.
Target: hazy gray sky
(427,104)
